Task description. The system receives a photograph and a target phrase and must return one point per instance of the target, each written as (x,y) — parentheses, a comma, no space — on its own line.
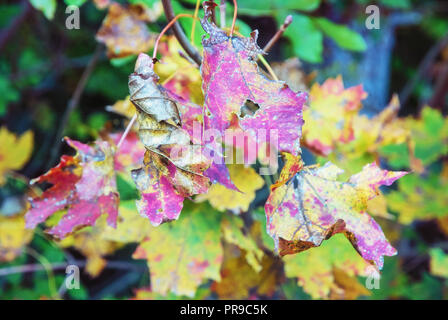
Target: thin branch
(422,68)
(179,33)
(278,34)
(156,45)
(33,267)
(126,132)
(9,31)
(73,102)
(222,13)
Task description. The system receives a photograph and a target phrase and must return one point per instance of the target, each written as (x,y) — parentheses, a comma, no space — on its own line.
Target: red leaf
(84,185)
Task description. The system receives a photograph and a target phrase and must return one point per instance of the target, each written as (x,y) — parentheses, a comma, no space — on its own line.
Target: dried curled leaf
(312,206)
(173,165)
(231,80)
(84,185)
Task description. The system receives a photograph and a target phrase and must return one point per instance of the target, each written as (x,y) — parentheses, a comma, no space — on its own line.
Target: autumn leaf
(231,79)
(232,230)
(92,244)
(315,269)
(123,107)
(329,117)
(438,262)
(131,152)
(184,254)
(223,198)
(177,73)
(173,165)
(131,227)
(240,281)
(313,206)
(84,184)
(13,237)
(15,151)
(124,31)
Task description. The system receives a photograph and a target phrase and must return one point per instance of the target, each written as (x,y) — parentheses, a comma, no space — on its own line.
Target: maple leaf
(177,73)
(315,269)
(230,78)
(93,245)
(131,227)
(124,31)
(312,206)
(131,152)
(222,198)
(182,255)
(238,279)
(13,237)
(232,230)
(329,118)
(84,184)
(15,151)
(173,165)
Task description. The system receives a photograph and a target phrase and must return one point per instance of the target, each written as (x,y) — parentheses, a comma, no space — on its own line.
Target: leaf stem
(179,33)
(268,67)
(156,45)
(126,132)
(196,10)
(222,13)
(235,12)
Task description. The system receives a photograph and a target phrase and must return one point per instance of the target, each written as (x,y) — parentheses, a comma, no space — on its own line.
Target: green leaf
(47,7)
(342,35)
(9,94)
(396,4)
(306,39)
(77,3)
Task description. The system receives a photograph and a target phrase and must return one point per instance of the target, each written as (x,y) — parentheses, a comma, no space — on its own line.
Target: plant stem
(278,34)
(222,13)
(235,12)
(73,102)
(179,34)
(126,132)
(173,21)
(196,10)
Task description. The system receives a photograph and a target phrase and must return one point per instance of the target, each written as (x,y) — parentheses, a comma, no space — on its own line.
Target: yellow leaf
(245,179)
(15,151)
(13,236)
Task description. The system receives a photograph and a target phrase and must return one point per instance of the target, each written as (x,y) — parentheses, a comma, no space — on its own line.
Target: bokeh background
(57,82)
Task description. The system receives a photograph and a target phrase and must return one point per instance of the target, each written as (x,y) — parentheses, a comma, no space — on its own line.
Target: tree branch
(179,33)
(73,103)
(8,32)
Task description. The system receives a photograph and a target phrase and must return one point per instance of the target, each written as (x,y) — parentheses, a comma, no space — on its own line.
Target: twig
(33,267)
(128,128)
(278,34)
(179,33)
(424,65)
(8,32)
(156,45)
(222,13)
(74,101)
(235,12)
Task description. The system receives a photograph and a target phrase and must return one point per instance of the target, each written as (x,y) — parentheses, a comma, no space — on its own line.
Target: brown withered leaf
(173,166)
